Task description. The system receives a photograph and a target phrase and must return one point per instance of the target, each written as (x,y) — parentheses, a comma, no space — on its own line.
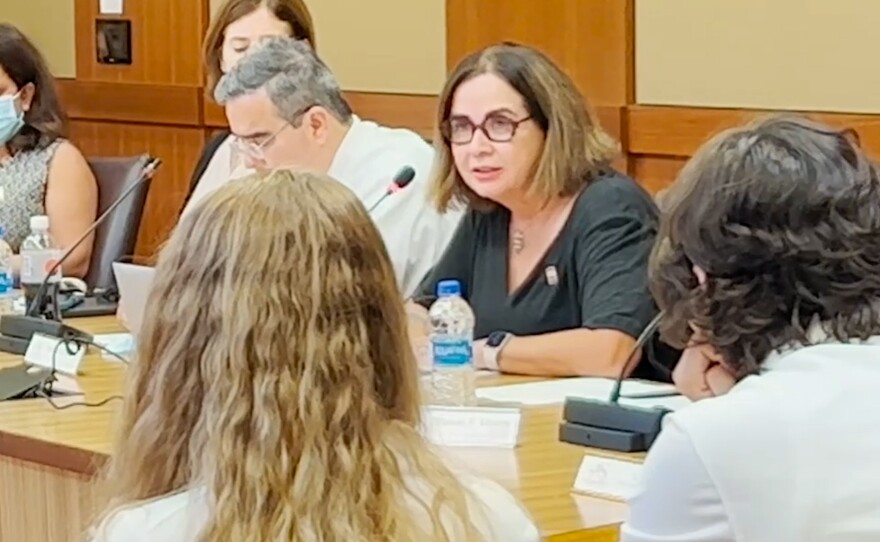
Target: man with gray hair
(285,109)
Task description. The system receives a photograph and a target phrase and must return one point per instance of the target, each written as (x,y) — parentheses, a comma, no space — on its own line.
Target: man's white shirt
(414,233)
(367,162)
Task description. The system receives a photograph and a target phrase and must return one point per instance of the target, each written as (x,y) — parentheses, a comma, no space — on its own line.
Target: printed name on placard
(471,426)
(609,478)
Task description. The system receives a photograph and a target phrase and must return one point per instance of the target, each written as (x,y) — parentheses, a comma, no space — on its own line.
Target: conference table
(49,457)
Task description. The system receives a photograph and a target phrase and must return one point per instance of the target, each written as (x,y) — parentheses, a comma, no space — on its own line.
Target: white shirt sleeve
(507,520)
(122,526)
(678,501)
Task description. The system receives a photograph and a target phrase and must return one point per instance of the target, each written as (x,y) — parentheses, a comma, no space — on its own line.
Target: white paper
(471,426)
(119,343)
(134,283)
(606,477)
(550,392)
(66,385)
(111,7)
(44,351)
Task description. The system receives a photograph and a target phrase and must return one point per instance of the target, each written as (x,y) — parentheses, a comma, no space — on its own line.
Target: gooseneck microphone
(647,333)
(17,330)
(398,183)
(609,425)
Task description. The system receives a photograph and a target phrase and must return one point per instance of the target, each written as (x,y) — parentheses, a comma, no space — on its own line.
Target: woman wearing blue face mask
(41,173)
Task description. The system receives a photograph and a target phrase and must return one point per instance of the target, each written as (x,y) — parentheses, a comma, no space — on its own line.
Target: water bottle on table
(452,338)
(38,256)
(7,297)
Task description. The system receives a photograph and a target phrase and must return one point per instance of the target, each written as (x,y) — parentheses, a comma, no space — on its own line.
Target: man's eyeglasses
(497,128)
(254,150)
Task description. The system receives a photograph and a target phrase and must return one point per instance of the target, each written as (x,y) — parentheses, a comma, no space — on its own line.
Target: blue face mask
(11,118)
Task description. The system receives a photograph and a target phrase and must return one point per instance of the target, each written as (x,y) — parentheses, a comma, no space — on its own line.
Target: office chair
(114,239)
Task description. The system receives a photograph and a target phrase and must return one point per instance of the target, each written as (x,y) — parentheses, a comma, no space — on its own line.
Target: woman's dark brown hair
(293,12)
(782,216)
(575,145)
(45,121)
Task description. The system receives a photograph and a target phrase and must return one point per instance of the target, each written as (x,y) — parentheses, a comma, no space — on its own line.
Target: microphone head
(404,177)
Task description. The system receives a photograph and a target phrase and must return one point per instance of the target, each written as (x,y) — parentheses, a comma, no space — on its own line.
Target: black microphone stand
(608,425)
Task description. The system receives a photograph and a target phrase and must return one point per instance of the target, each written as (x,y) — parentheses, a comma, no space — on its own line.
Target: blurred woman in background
(276,317)
(41,173)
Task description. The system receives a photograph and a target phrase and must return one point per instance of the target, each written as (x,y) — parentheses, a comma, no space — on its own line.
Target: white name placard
(481,427)
(615,479)
(42,348)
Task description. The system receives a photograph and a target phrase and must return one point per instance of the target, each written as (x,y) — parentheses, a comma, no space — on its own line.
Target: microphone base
(16,332)
(610,426)
(603,439)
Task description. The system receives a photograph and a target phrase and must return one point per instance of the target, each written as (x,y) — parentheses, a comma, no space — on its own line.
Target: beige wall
(382,45)
(780,54)
(49,23)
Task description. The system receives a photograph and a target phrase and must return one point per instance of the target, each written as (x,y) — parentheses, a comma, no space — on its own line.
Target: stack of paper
(551,392)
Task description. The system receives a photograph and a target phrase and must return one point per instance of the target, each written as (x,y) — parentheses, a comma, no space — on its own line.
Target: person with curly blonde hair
(274,395)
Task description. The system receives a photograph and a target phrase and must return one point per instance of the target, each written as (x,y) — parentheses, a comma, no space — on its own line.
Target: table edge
(50,454)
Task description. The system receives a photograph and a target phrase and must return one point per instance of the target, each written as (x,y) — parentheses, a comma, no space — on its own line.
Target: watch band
(492,349)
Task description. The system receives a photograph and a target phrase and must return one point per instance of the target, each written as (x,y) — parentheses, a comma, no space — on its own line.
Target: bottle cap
(40,222)
(446,288)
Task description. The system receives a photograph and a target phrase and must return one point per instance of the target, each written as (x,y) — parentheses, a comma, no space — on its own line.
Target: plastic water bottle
(7,296)
(38,256)
(452,339)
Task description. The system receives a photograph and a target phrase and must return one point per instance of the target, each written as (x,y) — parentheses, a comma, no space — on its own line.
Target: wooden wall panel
(592,40)
(166,41)
(411,111)
(131,102)
(662,138)
(655,172)
(679,131)
(179,149)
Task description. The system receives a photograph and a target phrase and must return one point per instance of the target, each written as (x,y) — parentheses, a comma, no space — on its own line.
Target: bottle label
(451,352)
(35,265)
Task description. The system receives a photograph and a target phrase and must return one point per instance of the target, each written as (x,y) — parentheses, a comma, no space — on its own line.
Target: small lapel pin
(551,275)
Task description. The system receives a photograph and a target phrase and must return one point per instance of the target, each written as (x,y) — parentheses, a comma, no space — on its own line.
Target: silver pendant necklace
(518,241)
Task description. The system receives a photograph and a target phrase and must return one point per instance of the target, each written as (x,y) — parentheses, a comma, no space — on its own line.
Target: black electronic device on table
(609,425)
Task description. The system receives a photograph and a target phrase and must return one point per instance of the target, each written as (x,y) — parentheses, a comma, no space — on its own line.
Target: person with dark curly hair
(767,265)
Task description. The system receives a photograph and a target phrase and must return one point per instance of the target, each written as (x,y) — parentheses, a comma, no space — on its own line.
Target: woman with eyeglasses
(553,251)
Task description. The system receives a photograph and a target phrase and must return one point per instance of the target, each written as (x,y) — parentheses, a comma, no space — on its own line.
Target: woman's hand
(700,373)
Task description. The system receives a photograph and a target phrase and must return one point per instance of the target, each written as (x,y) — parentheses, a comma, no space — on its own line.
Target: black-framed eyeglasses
(497,128)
